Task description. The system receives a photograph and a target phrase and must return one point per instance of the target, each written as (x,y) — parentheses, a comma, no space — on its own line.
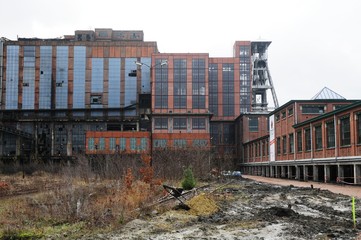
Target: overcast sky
(314,43)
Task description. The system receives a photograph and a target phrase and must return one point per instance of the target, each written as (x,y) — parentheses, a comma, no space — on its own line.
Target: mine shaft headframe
(260,65)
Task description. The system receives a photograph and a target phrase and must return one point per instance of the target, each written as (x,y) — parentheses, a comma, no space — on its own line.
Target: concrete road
(349,190)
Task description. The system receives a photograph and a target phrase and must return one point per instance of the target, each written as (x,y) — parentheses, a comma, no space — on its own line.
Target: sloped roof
(327,93)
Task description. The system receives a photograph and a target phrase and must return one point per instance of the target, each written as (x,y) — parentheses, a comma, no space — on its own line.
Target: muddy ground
(246,209)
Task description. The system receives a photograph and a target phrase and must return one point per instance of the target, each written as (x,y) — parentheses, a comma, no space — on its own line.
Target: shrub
(188,181)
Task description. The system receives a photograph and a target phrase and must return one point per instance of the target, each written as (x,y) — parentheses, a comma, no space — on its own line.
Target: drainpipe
(336,143)
(1,68)
(311,135)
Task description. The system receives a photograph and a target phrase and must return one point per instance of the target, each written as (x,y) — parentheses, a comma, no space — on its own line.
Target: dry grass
(68,199)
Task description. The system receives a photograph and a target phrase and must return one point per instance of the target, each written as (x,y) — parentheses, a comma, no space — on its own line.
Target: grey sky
(314,43)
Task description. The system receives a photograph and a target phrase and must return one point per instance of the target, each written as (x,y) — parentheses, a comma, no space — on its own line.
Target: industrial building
(109,92)
(317,140)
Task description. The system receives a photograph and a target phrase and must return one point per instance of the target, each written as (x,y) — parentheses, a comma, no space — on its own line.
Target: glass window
(291,143)
(253,124)
(318,136)
(308,139)
(284,144)
(313,109)
(12,77)
(180,83)
(179,123)
(161,123)
(277,117)
(198,123)
(283,114)
(179,143)
(358,128)
(130,88)
(345,131)
(29,78)
(161,84)
(111,143)
(299,141)
(133,144)
(91,145)
(198,83)
(290,111)
(143,144)
(278,146)
(228,89)
(330,126)
(101,143)
(122,144)
(199,143)
(213,88)
(79,77)
(61,101)
(159,143)
(45,77)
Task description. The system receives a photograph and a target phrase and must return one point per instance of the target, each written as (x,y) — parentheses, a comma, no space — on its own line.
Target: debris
(202,205)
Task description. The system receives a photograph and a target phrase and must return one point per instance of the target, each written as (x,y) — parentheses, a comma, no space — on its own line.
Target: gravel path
(349,190)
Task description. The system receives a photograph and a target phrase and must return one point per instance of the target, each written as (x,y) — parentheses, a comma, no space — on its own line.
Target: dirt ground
(248,209)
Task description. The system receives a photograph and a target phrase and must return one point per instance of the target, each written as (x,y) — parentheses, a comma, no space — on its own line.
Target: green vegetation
(188,181)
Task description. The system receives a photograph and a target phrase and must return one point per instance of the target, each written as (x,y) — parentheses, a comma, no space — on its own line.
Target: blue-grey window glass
(180,123)
(245,79)
(146,75)
(345,134)
(228,89)
(122,143)
(79,77)
(61,139)
(161,84)
(228,133)
(97,80)
(130,91)
(198,83)
(318,137)
(160,143)
(180,83)
(91,144)
(111,143)
(179,143)
(143,143)
(133,144)
(253,124)
(215,133)
(78,138)
(213,88)
(61,100)
(45,77)
(161,123)
(198,123)
(199,143)
(12,77)
(101,143)
(114,83)
(28,78)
